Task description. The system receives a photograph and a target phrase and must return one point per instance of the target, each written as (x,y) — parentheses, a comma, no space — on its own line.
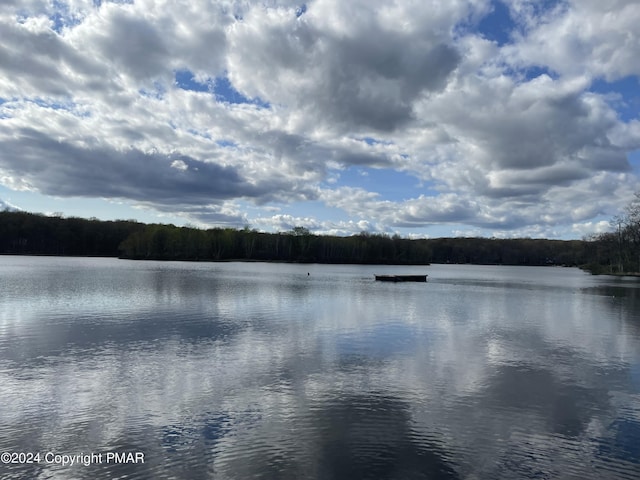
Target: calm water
(238,370)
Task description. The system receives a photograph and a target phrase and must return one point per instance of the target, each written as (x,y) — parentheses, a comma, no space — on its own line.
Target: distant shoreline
(23,233)
(291,262)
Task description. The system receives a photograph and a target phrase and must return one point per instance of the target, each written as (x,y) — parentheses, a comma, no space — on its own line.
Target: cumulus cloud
(201,109)
(48,166)
(580,37)
(341,61)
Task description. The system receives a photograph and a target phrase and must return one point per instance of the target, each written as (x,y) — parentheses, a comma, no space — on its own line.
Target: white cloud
(89,105)
(587,229)
(581,37)
(342,63)
(8,206)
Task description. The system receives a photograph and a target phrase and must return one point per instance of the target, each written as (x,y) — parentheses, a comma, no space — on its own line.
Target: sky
(513,118)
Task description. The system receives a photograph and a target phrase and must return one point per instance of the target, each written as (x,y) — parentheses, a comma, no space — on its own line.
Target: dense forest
(299,245)
(35,234)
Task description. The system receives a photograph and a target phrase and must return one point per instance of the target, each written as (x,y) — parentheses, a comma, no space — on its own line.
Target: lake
(177,370)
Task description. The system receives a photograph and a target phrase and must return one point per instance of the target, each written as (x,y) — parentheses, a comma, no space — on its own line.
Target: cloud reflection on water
(244,371)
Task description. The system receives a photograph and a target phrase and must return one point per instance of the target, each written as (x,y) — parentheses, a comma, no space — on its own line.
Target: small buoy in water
(307,274)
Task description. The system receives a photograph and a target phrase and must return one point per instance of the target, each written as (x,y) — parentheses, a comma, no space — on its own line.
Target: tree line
(618,250)
(26,233)
(36,234)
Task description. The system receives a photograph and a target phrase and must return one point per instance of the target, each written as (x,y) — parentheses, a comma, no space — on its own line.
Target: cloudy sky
(423,118)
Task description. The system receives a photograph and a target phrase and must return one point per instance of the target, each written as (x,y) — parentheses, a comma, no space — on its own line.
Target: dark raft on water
(401,278)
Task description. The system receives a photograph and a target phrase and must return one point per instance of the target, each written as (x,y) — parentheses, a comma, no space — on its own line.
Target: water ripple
(233,371)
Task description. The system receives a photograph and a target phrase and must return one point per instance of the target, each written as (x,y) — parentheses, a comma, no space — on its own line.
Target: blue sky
(474,118)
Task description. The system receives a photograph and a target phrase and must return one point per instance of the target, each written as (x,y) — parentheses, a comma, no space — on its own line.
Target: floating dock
(401,278)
